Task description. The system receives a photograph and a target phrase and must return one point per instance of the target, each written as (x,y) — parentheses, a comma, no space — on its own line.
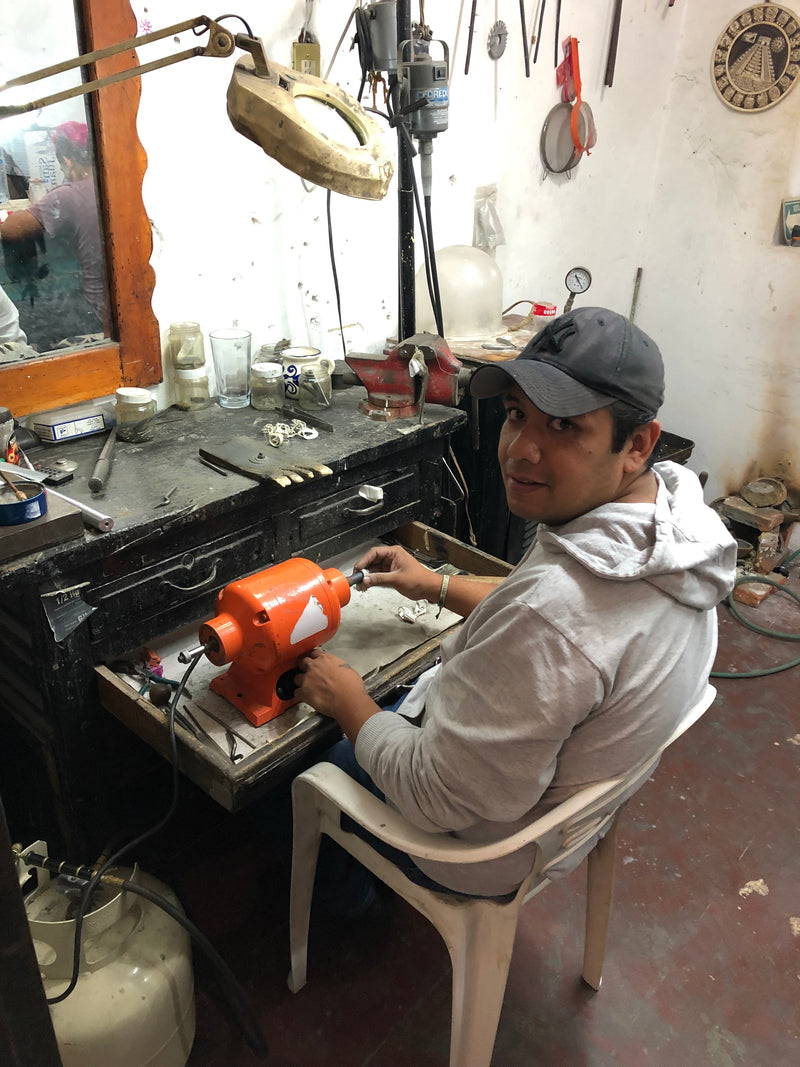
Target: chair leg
(480,955)
(305,850)
(599,893)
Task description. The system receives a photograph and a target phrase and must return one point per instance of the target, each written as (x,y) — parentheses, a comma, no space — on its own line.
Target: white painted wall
(678,184)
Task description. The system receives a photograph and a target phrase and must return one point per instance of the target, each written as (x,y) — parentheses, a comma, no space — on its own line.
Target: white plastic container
(471,291)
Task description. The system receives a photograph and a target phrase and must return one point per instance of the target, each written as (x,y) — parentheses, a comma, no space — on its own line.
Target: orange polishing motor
(263,625)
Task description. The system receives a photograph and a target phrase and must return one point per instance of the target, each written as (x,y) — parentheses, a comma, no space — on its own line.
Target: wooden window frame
(133,356)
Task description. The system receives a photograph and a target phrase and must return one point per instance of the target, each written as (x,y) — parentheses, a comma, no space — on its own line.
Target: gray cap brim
(548,388)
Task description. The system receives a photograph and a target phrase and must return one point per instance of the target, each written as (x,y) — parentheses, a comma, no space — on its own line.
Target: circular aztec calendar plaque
(757,57)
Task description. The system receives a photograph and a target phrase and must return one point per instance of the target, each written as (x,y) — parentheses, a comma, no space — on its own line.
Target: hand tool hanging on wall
(470,31)
(635,299)
(525,39)
(558,31)
(612,46)
(539,31)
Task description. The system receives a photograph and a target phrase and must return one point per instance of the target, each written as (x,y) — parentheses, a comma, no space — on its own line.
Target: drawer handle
(193,588)
(367,492)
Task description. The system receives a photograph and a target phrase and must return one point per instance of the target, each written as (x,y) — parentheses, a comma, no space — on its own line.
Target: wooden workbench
(68,767)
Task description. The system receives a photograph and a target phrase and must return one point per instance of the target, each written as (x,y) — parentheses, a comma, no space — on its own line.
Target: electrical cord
(363,40)
(231,989)
(762,580)
(219,18)
(230,986)
(335,275)
(437,303)
(236,998)
(124,849)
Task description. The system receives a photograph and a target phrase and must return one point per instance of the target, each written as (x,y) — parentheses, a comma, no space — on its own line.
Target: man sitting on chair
(582,661)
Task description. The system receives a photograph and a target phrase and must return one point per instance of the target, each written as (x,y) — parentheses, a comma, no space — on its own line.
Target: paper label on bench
(312,621)
(65,608)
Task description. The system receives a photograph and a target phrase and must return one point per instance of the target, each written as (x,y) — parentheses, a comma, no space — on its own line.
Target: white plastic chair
(479,933)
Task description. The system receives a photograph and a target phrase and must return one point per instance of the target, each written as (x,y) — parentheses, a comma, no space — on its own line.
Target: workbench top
(169,465)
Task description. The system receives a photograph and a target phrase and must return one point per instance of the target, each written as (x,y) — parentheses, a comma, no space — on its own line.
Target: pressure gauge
(578,280)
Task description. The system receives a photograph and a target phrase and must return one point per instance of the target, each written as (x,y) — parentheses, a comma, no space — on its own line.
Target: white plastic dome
(471,291)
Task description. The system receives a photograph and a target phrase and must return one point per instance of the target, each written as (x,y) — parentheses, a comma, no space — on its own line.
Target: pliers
(126,666)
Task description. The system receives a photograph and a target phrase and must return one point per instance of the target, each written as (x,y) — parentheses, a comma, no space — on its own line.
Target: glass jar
(185,345)
(136,411)
(266,386)
(191,389)
(314,388)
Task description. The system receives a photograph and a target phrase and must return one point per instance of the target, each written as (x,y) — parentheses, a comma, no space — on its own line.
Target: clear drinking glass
(230,351)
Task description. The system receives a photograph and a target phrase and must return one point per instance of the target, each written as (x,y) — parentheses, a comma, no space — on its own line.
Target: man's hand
(333,688)
(393,566)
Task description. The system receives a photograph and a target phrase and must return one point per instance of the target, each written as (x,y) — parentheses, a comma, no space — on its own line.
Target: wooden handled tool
(17,492)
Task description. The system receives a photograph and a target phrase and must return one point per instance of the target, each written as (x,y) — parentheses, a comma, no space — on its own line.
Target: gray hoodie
(577,667)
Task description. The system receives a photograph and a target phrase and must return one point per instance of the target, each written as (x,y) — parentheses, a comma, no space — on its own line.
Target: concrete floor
(703,959)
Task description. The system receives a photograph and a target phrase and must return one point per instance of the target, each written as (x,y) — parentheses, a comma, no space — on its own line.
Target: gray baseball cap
(581,361)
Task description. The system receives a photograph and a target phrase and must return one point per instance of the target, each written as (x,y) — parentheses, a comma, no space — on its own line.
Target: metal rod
(97,482)
(636,285)
(539,31)
(525,39)
(405,200)
(220,44)
(470,31)
(97,519)
(612,46)
(105,53)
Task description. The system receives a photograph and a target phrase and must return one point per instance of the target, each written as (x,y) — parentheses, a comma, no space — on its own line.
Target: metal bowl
(13,511)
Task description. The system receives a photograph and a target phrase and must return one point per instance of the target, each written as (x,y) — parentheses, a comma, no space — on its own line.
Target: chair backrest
(558,834)
(587,813)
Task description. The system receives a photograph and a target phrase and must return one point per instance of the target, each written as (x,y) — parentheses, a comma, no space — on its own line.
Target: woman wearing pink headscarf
(70,211)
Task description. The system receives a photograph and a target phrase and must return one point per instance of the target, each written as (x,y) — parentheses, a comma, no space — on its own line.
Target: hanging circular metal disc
(498,35)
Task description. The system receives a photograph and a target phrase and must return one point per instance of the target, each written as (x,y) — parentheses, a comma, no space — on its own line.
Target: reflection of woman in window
(70,211)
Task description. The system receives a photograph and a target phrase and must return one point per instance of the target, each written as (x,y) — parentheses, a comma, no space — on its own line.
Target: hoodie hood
(678,545)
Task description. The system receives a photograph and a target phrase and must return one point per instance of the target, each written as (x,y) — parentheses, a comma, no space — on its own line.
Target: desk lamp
(262,102)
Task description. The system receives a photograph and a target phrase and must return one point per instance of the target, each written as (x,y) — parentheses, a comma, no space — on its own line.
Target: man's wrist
(442,594)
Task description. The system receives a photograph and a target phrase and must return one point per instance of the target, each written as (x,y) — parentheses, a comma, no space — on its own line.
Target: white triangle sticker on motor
(312,621)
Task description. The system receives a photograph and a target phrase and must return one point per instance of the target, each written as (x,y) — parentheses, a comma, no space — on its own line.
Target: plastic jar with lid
(266,386)
(542,314)
(185,345)
(135,410)
(191,389)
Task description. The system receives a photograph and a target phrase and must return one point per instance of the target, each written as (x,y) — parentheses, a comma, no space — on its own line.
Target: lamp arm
(220,44)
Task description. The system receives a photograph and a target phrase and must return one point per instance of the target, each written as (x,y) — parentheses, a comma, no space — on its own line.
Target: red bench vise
(264,624)
(393,392)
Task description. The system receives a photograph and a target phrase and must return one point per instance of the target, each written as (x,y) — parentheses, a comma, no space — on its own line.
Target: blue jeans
(343,886)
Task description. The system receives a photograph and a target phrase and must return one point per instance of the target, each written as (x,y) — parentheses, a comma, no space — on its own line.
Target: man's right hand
(391,565)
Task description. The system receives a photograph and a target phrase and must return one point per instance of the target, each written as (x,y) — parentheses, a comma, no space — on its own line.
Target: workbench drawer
(179,584)
(347,510)
(285,745)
